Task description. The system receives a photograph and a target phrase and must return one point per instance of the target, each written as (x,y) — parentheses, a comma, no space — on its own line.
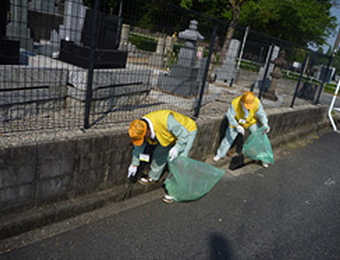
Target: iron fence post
(266,70)
(242,48)
(91,66)
(211,47)
(325,76)
(120,22)
(300,78)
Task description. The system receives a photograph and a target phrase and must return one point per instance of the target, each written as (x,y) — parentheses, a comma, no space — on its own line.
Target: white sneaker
(145,181)
(216,158)
(265,165)
(167,199)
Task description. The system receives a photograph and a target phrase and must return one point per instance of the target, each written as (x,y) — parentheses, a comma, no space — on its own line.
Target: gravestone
(69,30)
(17,28)
(74,16)
(183,79)
(9,49)
(307,91)
(47,6)
(4,8)
(268,79)
(324,75)
(124,37)
(227,72)
(107,30)
(106,55)
(43,18)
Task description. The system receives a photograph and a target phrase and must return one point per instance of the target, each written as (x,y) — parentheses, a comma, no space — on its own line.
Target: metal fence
(80,64)
(270,66)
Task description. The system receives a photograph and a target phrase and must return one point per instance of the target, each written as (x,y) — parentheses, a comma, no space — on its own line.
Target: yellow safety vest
(159,120)
(251,119)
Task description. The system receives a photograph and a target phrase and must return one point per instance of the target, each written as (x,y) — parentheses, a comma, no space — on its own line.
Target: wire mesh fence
(85,65)
(274,66)
(80,64)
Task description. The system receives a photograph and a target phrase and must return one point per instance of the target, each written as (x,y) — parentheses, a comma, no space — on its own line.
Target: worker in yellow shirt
(172,134)
(243,113)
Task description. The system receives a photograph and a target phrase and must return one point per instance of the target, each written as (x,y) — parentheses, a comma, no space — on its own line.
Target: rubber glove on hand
(173,153)
(240,129)
(132,171)
(267,128)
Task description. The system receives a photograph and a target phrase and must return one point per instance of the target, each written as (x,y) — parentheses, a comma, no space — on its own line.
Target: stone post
(160,45)
(169,44)
(124,37)
(157,59)
(169,50)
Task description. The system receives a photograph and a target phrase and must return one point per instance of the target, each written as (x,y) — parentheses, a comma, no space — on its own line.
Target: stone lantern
(184,77)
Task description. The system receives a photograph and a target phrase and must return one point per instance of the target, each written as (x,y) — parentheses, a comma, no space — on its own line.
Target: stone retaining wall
(39,173)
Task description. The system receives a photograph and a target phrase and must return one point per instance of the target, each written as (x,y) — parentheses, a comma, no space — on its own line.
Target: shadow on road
(219,248)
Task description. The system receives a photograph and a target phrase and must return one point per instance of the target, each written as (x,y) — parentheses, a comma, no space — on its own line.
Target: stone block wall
(28,91)
(38,173)
(43,172)
(17,176)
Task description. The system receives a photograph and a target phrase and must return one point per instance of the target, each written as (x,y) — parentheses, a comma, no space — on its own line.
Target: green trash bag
(189,179)
(258,147)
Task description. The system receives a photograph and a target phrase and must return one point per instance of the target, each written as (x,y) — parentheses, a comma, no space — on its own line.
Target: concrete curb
(17,223)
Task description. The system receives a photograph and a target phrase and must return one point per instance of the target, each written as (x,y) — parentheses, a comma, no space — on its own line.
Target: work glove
(173,153)
(240,129)
(132,171)
(267,128)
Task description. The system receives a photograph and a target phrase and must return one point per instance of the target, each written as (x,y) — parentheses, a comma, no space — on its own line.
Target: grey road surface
(326,99)
(288,211)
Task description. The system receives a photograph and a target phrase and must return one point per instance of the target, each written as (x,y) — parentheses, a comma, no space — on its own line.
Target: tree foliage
(304,22)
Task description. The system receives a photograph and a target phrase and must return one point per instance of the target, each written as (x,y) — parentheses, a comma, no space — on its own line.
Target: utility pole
(337,41)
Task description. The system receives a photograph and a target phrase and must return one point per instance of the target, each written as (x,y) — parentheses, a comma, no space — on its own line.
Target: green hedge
(248,65)
(143,42)
(330,88)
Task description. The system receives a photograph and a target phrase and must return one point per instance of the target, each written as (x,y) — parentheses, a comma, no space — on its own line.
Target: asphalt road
(326,99)
(289,211)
